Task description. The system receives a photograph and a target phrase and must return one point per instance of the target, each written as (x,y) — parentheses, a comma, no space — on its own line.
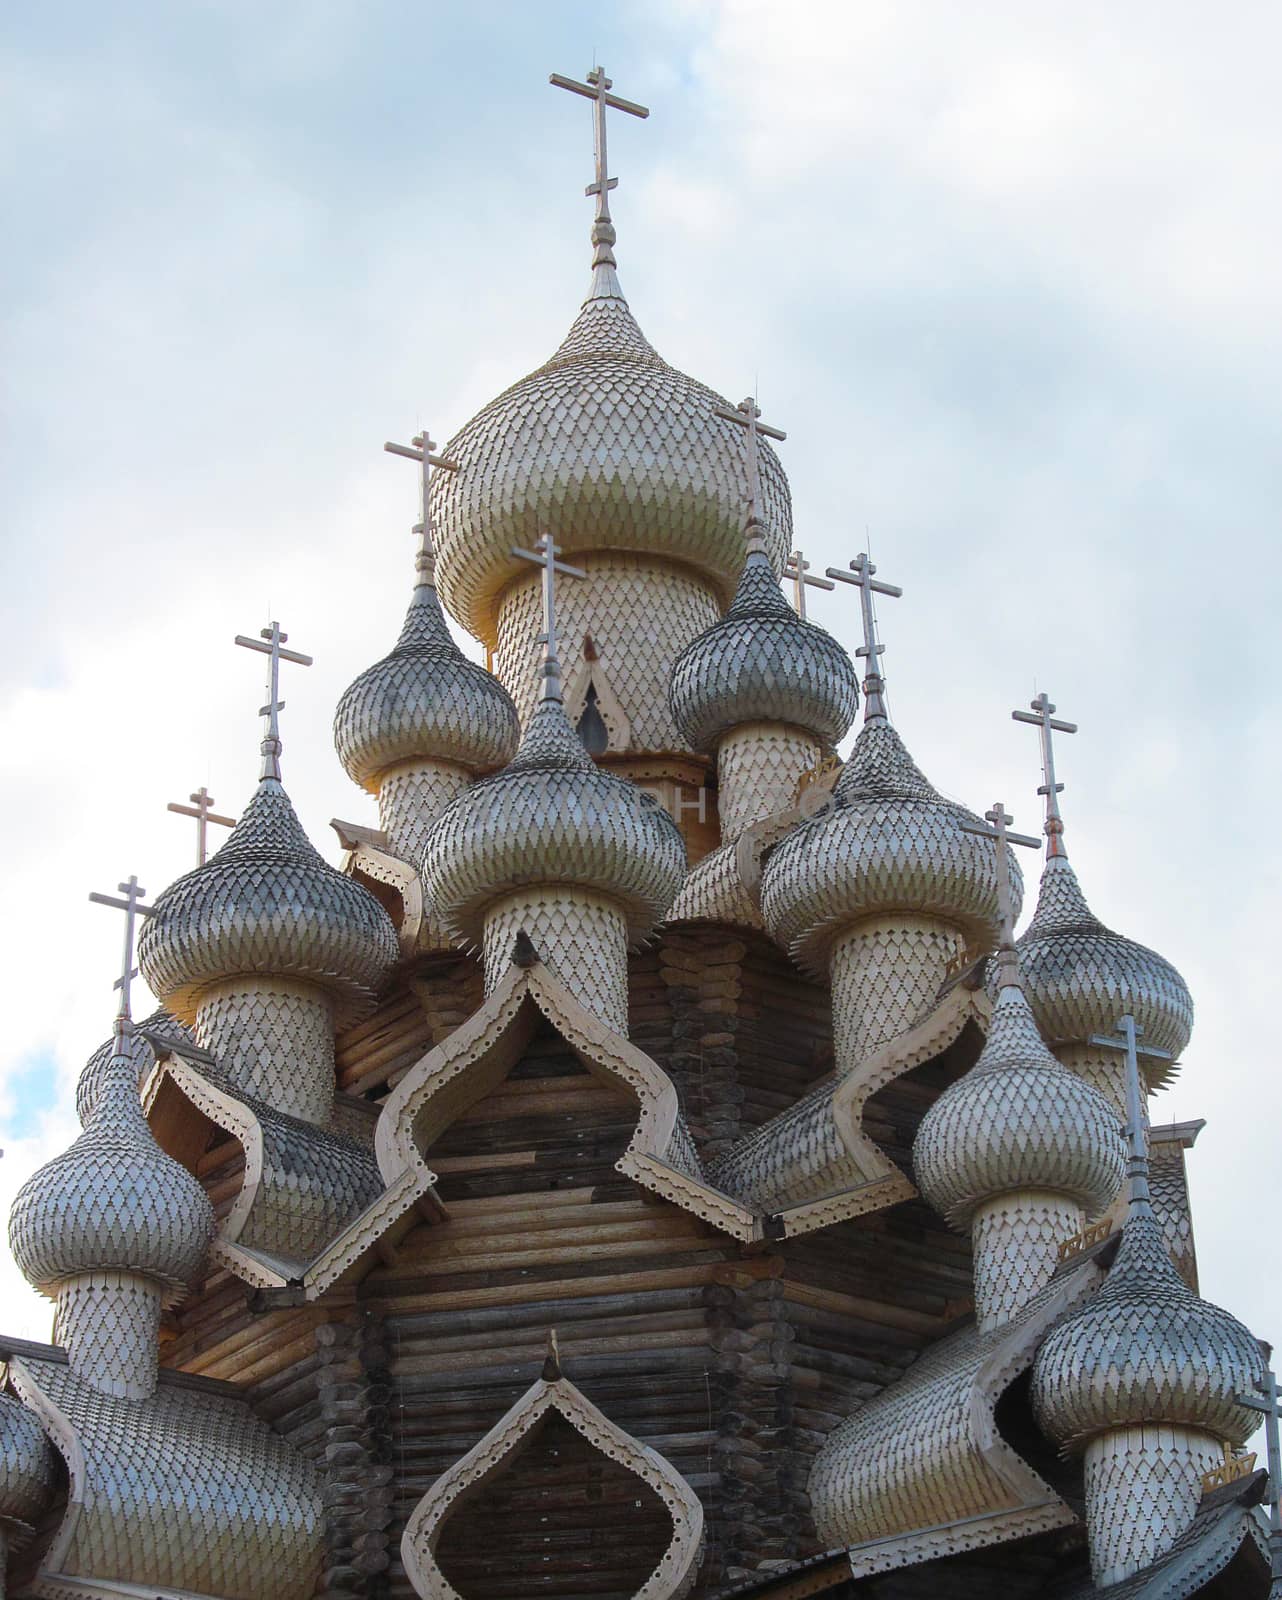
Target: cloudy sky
(1007,274)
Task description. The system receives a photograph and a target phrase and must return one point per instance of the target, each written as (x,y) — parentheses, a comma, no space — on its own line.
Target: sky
(1007,275)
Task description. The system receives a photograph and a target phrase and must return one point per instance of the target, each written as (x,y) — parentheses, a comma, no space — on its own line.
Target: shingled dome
(267,903)
(553,816)
(26,1465)
(136,1047)
(762,663)
(888,841)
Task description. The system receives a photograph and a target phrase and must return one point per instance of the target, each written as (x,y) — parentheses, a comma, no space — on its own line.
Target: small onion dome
(553,816)
(1018,1120)
(424,701)
(887,841)
(113,1202)
(614,449)
(762,663)
(267,903)
(1146,1349)
(26,1464)
(135,1047)
(1080,976)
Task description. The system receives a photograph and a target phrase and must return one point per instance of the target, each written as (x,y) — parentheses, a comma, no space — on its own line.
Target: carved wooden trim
(617,725)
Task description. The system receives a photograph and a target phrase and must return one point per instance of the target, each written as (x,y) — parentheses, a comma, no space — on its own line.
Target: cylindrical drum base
(410,798)
(1016,1240)
(758,769)
(581,937)
(109,1325)
(274,1039)
(886,975)
(1143,1488)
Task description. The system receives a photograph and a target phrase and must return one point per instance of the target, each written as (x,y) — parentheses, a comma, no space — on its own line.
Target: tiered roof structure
(649,1166)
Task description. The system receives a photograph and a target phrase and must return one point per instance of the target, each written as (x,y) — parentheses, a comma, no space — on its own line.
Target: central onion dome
(553,816)
(423,701)
(114,1201)
(612,449)
(762,663)
(267,903)
(887,841)
(1017,1120)
(1081,976)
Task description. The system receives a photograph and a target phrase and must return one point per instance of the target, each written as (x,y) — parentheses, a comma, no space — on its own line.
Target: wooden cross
(133,908)
(597,90)
(276,653)
(747,414)
(1041,715)
(1268,1388)
(544,555)
(998,819)
(1127,1041)
(798,569)
(420,449)
(861,574)
(199,808)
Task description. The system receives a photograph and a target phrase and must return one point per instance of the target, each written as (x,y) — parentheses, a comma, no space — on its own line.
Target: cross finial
(798,569)
(1127,1041)
(998,821)
(420,449)
(1265,1399)
(597,90)
(275,651)
(544,555)
(133,908)
(199,808)
(1041,715)
(747,414)
(861,574)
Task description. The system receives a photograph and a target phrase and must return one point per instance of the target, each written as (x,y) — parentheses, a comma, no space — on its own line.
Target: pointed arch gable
(677,1569)
(590,675)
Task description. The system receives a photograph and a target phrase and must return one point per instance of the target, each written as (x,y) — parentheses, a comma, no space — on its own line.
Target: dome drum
(109,1325)
(581,936)
(886,974)
(759,766)
(274,1039)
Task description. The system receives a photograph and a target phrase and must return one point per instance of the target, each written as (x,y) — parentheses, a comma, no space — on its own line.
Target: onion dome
(553,816)
(135,1047)
(887,841)
(112,1202)
(269,903)
(1018,1120)
(425,701)
(26,1464)
(615,450)
(1080,976)
(762,663)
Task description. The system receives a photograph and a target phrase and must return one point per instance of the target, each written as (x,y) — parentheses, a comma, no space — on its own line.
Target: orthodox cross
(544,555)
(420,449)
(998,820)
(748,416)
(597,90)
(1126,1040)
(199,808)
(798,569)
(861,574)
(274,649)
(1042,716)
(133,908)
(1268,1388)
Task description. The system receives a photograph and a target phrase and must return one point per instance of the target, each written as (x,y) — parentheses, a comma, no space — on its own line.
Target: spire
(273,649)
(1041,715)
(997,819)
(133,908)
(544,555)
(605,285)
(874,682)
(420,449)
(747,415)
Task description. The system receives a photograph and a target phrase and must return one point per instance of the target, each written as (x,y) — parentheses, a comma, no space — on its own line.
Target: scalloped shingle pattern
(553,816)
(887,841)
(138,1051)
(112,1201)
(762,663)
(424,699)
(1146,1350)
(273,1038)
(1143,1487)
(267,903)
(609,448)
(758,770)
(1017,1120)
(26,1463)
(1080,976)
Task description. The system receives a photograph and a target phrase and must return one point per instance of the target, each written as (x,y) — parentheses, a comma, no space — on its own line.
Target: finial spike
(421,449)
(133,908)
(999,820)
(276,653)
(1041,716)
(544,555)
(199,808)
(597,90)
(861,573)
(552,1361)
